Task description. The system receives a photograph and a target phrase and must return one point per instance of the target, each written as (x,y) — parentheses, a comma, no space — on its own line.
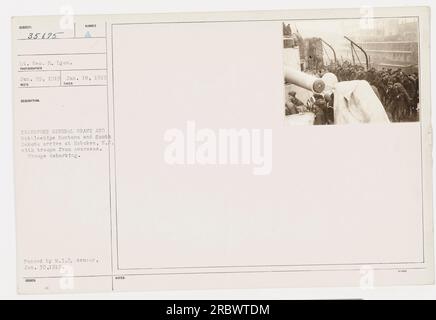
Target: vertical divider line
(109,163)
(115,150)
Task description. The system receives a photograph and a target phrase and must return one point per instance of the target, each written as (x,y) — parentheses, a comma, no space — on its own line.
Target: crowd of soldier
(397,91)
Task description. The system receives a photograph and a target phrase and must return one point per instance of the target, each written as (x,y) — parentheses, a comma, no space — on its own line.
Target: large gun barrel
(304,80)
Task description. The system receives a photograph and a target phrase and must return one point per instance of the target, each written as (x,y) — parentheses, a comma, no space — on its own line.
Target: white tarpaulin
(356,102)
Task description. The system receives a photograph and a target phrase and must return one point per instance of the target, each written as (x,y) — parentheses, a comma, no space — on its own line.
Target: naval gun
(304,80)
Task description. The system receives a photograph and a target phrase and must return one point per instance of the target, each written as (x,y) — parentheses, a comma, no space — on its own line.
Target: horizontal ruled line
(98,69)
(59,54)
(69,38)
(72,86)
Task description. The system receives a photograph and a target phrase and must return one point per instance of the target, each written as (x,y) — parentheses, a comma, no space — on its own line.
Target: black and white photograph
(344,71)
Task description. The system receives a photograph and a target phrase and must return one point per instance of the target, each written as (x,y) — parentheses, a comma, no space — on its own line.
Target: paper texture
(173,151)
